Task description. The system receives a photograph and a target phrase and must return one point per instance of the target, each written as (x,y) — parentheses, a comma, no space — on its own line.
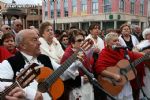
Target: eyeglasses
(79,40)
(49,30)
(19,25)
(8,28)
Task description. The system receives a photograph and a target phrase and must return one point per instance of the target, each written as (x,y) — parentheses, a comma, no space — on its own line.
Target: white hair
(110,36)
(146,32)
(19,38)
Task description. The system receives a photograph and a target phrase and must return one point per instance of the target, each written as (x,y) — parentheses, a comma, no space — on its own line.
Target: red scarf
(4,54)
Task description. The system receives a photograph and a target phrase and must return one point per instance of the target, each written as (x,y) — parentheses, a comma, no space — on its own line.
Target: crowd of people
(44,46)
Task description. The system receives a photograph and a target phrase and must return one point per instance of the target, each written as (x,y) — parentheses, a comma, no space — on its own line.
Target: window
(74,7)
(46,13)
(121,6)
(58,8)
(141,7)
(45,9)
(52,8)
(65,8)
(94,6)
(107,6)
(84,6)
(132,7)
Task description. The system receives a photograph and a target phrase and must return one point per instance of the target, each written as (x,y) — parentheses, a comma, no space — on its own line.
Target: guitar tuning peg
(17,73)
(21,69)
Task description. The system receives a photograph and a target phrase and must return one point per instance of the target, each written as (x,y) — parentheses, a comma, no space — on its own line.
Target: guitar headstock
(87,44)
(27,75)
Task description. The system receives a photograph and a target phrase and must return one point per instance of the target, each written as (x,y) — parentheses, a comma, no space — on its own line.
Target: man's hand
(38,96)
(117,77)
(96,50)
(16,94)
(81,56)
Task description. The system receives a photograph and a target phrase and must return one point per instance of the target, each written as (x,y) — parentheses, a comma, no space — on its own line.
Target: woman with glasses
(5,29)
(78,86)
(50,46)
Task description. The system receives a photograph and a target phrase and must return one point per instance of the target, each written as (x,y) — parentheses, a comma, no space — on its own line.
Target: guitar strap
(6,80)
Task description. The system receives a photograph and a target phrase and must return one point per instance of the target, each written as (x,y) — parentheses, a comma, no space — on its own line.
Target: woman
(77,88)
(50,46)
(94,31)
(8,41)
(108,59)
(126,39)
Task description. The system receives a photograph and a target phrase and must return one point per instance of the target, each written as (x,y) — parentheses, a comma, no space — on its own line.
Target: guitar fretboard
(138,61)
(50,80)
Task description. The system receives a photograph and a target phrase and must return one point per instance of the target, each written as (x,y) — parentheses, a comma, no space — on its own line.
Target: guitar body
(57,88)
(110,85)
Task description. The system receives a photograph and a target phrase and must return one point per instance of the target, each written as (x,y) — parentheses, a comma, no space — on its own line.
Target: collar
(14,32)
(27,57)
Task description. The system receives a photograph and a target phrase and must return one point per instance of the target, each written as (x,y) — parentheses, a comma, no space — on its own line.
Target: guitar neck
(7,90)
(136,62)
(51,79)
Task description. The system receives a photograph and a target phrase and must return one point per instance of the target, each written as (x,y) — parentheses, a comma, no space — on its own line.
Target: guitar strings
(8,89)
(59,71)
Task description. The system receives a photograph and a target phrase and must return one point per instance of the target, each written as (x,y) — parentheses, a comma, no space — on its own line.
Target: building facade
(108,13)
(2,5)
(31,15)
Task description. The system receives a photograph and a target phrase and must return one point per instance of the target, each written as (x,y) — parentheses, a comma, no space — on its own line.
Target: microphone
(142,49)
(114,47)
(86,72)
(94,81)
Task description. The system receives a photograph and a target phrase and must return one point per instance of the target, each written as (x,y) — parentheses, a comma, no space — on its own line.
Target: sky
(24,1)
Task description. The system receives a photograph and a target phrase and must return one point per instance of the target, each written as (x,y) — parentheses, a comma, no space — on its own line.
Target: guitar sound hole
(43,87)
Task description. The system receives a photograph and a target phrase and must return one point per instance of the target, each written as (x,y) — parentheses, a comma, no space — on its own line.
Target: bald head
(17,21)
(23,35)
(27,41)
(17,25)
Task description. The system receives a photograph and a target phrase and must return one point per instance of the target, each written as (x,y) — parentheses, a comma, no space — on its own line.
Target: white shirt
(99,44)
(6,72)
(54,50)
(134,41)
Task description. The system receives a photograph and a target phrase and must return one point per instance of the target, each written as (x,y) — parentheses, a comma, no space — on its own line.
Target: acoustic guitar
(49,80)
(122,68)
(26,76)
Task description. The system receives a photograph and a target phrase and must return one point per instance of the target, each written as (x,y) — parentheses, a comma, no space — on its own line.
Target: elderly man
(17,26)
(28,44)
(5,29)
(136,31)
